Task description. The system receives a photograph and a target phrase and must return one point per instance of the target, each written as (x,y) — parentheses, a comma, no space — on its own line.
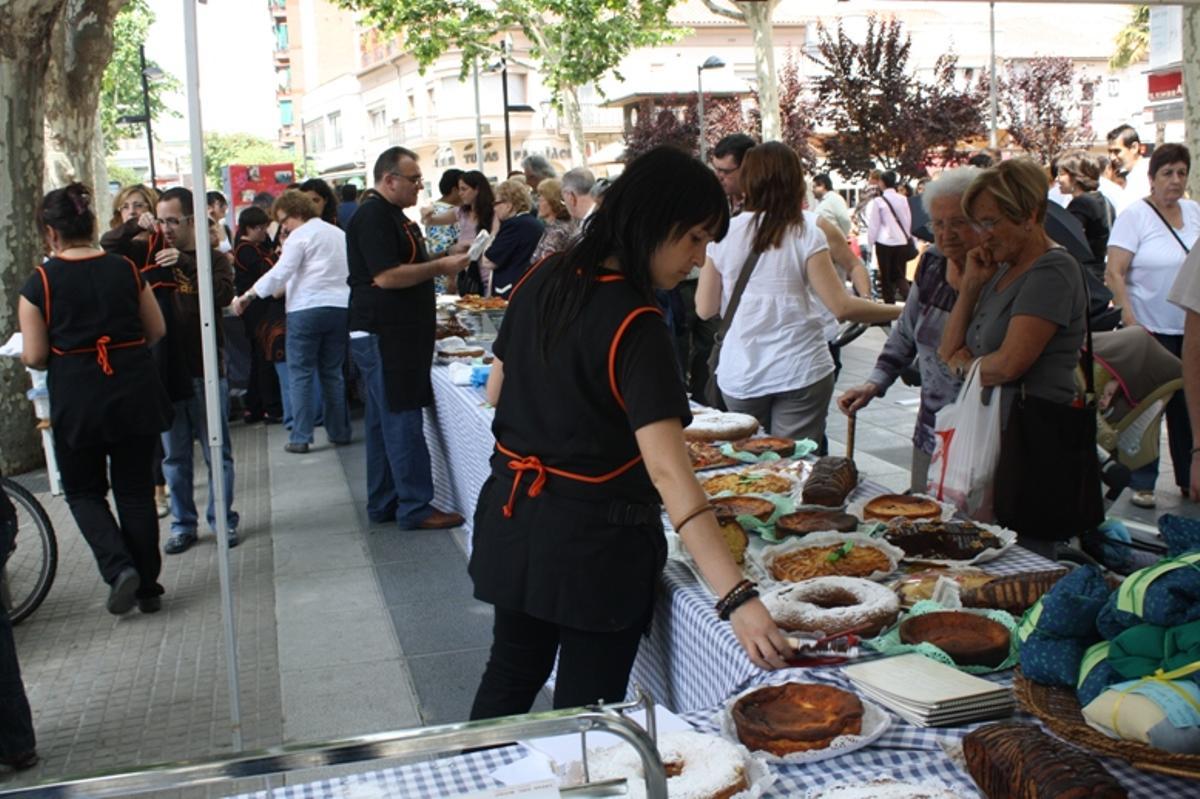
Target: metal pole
(146,109)
(504,89)
(993,139)
(700,110)
(478,119)
(212,382)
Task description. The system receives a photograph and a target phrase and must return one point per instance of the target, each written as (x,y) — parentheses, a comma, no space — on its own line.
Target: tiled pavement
(343,627)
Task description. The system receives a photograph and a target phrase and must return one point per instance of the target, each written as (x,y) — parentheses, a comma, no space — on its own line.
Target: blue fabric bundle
(1058,629)
(1181,534)
(1166,594)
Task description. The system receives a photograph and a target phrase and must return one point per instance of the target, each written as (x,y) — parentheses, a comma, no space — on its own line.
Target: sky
(237,74)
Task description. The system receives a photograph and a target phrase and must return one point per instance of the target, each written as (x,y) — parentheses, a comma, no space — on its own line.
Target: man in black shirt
(392,325)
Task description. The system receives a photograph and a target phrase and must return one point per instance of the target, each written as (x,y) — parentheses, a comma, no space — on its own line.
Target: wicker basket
(1058,709)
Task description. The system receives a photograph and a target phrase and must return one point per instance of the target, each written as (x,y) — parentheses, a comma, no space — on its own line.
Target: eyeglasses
(134,205)
(171,221)
(416,179)
(985,225)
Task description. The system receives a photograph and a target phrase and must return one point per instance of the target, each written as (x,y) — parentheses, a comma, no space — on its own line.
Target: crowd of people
(617,295)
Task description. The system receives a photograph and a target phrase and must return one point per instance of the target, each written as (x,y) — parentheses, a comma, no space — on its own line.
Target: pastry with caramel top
(783,447)
(743,505)
(796,717)
(848,560)
(901,506)
(747,483)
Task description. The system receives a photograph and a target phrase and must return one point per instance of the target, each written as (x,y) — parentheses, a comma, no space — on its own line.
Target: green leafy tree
(223,149)
(572,43)
(121,86)
(1133,40)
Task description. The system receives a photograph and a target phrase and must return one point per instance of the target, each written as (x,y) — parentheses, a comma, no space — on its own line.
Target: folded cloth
(1069,609)
(1102,677)
(1166,594)
(1162,713)
(1181,534)
(1049,660)
(1148,648)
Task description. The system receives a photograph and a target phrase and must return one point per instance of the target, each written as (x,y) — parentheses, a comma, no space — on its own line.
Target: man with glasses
(727,163)
(185,373)
(1125,149)
(392,325)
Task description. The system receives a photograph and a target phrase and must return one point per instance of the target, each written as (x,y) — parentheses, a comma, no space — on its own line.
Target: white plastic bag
(963,467)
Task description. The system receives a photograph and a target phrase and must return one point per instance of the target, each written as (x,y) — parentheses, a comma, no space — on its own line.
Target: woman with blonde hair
(132,231)
(552,210)
(774,361)
(510,254)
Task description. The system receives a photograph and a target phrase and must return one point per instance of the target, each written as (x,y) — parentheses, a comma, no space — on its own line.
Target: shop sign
(1165,86)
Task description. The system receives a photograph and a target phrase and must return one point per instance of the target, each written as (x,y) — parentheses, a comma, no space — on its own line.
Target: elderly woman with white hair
(919,330)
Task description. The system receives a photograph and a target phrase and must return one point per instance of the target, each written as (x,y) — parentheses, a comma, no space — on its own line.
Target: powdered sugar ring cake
(698,766)
(884,788)
(721,427)
(831,605)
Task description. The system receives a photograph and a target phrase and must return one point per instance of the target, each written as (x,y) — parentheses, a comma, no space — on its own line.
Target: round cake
(743,505)
(803,522)
(784,447)
(698,766)
(719,426)
(848,560)
(901,506)
(830,605)
(748,483)
(968,638)
(796,717)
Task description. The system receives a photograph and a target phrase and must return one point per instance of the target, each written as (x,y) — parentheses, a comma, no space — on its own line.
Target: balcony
(278,8)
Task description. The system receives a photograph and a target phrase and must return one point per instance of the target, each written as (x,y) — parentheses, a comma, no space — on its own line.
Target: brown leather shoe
(440,520)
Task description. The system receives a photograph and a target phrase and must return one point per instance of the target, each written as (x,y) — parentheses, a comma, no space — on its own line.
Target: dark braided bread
(831,481)
(1019,761)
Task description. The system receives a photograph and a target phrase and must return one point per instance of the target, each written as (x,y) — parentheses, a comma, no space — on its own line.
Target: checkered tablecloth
(458,431)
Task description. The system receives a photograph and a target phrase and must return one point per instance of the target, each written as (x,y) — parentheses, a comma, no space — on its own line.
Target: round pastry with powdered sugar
(830,605)
(698,766)
(720,426)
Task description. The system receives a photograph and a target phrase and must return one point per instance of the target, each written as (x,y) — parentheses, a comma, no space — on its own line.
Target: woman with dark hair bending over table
(590,410)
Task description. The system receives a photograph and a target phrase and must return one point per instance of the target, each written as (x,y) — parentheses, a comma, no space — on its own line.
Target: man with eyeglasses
(392,325)
(1125,149)
(185,373)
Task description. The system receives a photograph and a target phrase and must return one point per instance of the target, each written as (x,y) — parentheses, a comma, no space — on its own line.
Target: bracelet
(689,516)
(742,593)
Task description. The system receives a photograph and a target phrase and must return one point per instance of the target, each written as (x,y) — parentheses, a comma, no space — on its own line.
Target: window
(335,129)
(411,106)
(281,36)
(377,120)
(1114,87)
(285,113)
(314,136)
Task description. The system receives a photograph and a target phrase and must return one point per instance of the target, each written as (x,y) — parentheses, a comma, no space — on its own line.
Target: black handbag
(910,249)
(712,392)
(1047,482)
(470,280)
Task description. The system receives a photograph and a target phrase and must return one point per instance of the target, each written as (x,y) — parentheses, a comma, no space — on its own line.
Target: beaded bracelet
(736,602)
(689,516)
(736,597)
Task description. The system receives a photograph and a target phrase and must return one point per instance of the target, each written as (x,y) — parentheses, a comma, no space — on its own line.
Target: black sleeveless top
(104,387)
(266,319)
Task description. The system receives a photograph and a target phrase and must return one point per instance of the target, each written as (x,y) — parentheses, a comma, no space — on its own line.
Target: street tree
(25,28)
(121,88)
(941,120)
(758,16)
(797,114)
(674,121)
(223,149)
(1133,40)
(1040,105)
(572,43)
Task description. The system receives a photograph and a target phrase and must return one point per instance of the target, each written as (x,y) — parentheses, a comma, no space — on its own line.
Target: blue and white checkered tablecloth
(458,431)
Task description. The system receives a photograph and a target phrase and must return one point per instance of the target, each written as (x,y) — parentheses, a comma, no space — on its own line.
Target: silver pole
(992,136)
(478,120)
(700,111)
(212,381)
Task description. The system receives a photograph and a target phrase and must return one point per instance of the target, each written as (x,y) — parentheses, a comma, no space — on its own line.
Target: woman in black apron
(89,318)
(590,409)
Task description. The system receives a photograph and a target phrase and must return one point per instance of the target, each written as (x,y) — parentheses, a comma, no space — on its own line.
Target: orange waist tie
(520,464)
(103,345)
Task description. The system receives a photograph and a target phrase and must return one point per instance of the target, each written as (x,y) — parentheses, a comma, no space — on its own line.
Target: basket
(1058,709)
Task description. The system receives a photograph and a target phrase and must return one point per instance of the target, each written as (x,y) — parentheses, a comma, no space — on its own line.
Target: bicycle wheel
(33,561)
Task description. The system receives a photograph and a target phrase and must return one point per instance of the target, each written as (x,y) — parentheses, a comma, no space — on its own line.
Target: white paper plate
(765,557)
(857,507)
(1007,537)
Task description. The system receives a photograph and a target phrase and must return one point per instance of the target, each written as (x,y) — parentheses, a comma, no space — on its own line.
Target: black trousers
(700,334)
(591,666)
(134,542)
(891,271)
(262,387)
(16,721)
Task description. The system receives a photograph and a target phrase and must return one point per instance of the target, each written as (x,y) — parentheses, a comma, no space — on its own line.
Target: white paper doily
(765,557)
(758,776)
(1007,537)
(857,507)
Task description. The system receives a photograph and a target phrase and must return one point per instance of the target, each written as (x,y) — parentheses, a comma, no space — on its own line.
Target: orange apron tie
(102,355)
(530,463)
(103,345)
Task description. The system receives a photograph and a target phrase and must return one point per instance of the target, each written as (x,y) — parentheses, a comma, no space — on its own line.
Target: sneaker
(162,501)
(1143,499)
(298,449)
(123,594)
(180,542)
(150,604)
(233,539)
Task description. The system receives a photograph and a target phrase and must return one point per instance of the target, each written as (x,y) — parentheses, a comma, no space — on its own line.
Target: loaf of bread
(1019,761)
(831,481)
(1015,593)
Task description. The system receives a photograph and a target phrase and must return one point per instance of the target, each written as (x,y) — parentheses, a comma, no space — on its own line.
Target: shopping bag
(967,449)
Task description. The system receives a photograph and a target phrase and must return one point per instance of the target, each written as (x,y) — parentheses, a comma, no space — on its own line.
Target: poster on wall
(243,183)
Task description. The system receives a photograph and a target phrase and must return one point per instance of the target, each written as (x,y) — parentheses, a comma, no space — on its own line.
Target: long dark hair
(69,212)
(329,212)
(485,200)
(659,197)
(248,218)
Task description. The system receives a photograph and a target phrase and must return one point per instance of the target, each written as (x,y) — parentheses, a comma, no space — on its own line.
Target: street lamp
(148,74)
(712,62)
(505,47)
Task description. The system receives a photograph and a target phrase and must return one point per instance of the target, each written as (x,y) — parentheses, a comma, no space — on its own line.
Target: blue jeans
(316,351)
(399,475)
(190,424)
(285,393)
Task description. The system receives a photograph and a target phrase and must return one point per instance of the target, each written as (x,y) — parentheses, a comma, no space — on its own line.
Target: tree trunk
(758,18)
(574,116)
(1191,90)
(80,49)
(25,27)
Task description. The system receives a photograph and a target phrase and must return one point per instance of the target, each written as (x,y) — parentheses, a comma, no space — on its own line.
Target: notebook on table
(928,693)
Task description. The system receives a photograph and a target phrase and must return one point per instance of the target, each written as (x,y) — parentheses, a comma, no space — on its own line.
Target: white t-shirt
(1157,257)
(312,267)
(777,340)
(1186,291)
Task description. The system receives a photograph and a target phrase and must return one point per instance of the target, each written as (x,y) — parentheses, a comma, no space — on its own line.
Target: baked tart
(743,505)
(901,506)
(783,447)
(968,638)
(849,559)
(704,455)
(803,522)
(796,717)
(748,483)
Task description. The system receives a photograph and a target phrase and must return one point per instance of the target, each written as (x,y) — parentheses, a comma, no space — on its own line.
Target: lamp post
(505,47)
(712,62)
(148,74)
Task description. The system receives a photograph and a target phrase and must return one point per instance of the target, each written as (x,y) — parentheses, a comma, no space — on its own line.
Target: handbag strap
(1174,233)
(739,288)
(896,216)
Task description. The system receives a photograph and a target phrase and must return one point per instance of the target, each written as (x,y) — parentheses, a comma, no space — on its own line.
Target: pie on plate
(707,456)
(968,638)
(784,447)
(748,483)
(892,506)
(743,505)
(849,559)
(796,717)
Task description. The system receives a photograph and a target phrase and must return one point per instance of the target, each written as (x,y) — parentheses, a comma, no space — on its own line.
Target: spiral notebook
(928,693)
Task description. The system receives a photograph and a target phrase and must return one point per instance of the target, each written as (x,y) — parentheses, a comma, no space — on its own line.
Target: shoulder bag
(1048,476)
(712,392)
(911,250)
(1174,232)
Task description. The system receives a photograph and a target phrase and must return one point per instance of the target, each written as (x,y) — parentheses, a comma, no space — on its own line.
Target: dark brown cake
(1015,593)
(951,540)
(1019,761)
(831,481)
(804,522)
(968,638)
(796,717)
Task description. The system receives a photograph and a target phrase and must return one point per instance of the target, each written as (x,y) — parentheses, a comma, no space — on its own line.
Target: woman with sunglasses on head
(590,410)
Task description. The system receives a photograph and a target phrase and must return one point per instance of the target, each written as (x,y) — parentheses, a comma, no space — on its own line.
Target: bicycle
(27,570)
